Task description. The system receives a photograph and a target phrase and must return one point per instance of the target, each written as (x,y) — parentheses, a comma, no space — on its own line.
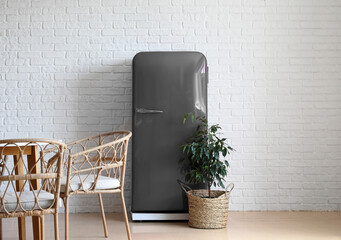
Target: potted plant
(203,151)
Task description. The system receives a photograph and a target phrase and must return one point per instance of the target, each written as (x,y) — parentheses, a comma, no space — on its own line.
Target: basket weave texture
(207,212)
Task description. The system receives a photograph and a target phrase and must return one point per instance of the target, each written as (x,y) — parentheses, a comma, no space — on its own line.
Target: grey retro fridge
(166,86)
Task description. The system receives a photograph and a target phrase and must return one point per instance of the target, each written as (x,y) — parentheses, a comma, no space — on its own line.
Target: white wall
(275,83)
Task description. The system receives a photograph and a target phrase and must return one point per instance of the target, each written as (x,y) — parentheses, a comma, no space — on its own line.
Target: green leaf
(224,152)
(185,118)
(221,184)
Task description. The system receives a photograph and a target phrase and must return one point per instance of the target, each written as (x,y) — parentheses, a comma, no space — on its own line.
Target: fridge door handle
(143,110)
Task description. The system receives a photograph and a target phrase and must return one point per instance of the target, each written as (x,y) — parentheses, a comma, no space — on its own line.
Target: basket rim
(191,193)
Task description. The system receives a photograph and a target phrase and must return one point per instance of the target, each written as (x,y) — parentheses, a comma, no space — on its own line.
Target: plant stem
(209,191)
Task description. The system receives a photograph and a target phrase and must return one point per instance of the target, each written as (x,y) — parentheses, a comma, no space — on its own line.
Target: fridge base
(159,216)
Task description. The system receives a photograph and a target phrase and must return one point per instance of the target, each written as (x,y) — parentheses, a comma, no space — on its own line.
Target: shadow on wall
(98,100)
(104,100)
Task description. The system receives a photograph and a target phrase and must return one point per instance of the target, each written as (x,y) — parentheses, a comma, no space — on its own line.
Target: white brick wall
(275,83)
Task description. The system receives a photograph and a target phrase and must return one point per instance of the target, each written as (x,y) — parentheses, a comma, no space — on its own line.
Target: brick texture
(275,84)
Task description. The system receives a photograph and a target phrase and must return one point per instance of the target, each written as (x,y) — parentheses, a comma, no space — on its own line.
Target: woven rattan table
(32,157)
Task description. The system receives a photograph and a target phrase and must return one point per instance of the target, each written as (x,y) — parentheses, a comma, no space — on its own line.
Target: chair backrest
(30,177)
(92,157)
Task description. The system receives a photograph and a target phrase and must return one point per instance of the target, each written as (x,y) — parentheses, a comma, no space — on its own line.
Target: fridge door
(166,86)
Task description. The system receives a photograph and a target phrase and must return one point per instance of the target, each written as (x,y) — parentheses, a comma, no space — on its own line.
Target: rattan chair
(96,165)
(30,184)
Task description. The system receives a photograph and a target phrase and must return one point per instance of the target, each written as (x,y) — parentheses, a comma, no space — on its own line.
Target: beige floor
(242,225)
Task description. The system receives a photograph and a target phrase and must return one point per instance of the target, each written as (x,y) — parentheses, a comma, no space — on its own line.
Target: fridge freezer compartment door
(144,111)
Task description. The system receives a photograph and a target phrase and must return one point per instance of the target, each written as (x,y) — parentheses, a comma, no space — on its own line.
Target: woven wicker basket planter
(207,212)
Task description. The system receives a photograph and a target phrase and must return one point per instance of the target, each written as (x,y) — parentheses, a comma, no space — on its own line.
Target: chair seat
(103,182)
(45,199)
